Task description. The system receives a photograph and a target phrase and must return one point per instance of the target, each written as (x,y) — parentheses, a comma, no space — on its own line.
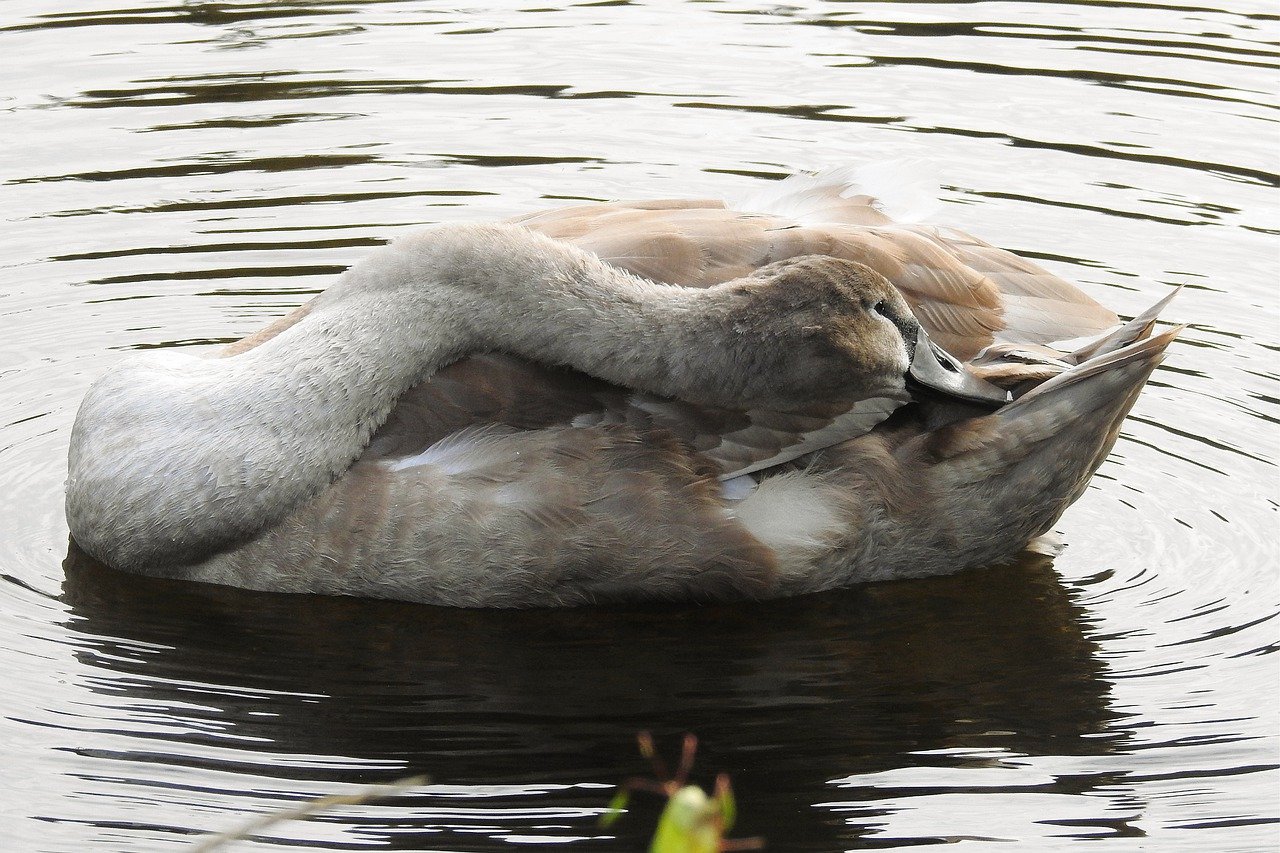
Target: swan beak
(935,368)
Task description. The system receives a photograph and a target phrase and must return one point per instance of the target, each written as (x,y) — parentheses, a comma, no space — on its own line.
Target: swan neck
(174,457)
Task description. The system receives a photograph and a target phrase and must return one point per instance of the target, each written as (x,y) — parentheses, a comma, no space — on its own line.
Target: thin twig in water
(253,827)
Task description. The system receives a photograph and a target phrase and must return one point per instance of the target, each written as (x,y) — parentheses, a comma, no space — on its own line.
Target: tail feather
(1135,330)
(1019,366)
(1013,472)
(1146,352)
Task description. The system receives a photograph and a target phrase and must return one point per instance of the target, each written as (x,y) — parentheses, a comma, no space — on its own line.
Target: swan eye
(881,309)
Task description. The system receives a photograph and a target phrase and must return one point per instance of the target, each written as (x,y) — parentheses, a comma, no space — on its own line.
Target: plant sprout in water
(692,821)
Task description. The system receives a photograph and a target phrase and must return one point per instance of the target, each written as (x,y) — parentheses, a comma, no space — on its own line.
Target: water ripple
(207,166)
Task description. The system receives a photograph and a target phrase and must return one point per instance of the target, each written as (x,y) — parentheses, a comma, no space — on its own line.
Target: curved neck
(174,457)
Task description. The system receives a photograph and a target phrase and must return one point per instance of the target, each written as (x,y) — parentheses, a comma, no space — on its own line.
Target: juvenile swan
(692,402)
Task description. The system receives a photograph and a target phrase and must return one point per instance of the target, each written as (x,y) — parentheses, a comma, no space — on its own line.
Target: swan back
(966,293)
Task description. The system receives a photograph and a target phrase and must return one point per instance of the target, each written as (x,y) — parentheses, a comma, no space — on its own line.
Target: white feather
(903,190)
(794,514)
(467,450)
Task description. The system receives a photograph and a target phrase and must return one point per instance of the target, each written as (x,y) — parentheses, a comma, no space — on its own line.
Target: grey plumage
(480,415)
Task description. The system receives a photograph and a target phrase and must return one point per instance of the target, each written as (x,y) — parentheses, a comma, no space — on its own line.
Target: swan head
(822,328)
(836,329)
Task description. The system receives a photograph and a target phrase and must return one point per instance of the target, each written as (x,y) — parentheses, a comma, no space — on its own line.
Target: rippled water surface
(177,174)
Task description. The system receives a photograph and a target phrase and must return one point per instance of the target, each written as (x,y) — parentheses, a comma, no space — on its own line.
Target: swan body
(661,400)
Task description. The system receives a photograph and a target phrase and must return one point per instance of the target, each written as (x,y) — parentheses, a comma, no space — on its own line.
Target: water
(178,174)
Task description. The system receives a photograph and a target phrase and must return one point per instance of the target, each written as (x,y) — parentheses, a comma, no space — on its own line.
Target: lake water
(179,173)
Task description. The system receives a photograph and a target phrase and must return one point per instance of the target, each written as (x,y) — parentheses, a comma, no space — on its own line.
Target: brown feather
(960,287)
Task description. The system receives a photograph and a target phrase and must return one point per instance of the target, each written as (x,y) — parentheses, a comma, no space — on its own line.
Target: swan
(662,400)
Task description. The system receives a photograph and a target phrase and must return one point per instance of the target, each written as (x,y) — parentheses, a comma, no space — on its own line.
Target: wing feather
(967,293)
(502,390)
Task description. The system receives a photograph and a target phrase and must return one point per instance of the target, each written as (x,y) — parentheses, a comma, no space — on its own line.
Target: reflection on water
(365,690)
(179,173)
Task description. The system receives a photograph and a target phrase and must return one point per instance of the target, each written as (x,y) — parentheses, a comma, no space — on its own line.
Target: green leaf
(687,824)
(617,807)
(728,807)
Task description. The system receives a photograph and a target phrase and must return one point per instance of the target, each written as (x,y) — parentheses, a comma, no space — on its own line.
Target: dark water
(176,174)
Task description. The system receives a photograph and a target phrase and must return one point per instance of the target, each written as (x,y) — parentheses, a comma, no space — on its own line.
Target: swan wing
(487,389)
(744,442)
(498,390)
(1039,307)
(967,293)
